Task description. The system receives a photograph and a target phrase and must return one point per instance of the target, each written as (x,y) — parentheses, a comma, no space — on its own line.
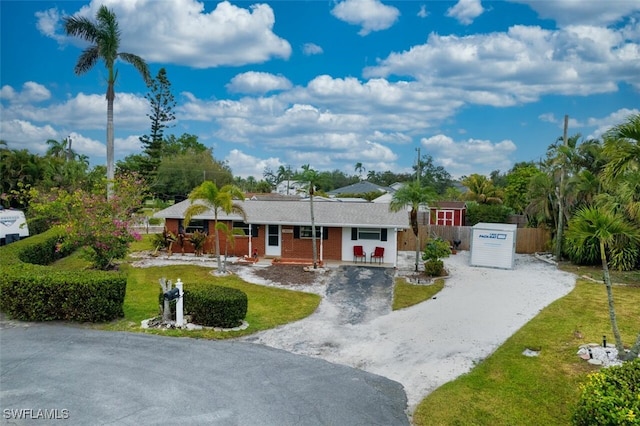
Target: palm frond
(138,63)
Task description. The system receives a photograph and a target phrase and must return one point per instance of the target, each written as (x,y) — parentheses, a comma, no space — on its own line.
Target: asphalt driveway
(361,293)
(95,377)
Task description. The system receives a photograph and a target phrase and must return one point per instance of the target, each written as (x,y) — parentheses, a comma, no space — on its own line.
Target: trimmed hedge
(611,396)
(213,305)
(32,292)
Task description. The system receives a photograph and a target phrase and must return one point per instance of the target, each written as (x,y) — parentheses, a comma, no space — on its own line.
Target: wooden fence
(528,240)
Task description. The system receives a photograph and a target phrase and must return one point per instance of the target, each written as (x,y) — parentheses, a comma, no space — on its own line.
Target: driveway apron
(361,293)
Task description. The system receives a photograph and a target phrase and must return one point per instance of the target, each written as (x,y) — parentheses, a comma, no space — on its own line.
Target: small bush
(434,268)
(610,397)
(213,305)
(155,221)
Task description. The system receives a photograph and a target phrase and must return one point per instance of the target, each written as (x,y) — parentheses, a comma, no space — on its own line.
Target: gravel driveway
(428,344)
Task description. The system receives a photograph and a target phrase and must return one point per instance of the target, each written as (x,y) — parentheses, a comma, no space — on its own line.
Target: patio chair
(358,253)
(378,254)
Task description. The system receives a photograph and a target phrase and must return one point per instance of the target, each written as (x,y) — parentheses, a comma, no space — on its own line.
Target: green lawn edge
(508,388)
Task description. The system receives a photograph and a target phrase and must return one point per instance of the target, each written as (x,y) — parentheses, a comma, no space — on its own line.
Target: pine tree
(162,102)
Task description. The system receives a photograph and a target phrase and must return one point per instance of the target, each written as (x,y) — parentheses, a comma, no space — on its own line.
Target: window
(195,225)
(377,234)
(305,232)
(369,234)
(244,227)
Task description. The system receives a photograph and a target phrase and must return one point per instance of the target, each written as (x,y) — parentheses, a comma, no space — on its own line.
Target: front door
(273,240)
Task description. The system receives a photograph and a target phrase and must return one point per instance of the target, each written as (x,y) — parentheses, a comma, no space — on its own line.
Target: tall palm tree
(209,197)
(412,195)
(104,38)
(311,176)
(604,226)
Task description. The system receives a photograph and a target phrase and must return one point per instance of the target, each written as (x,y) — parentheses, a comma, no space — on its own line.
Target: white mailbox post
(180,305)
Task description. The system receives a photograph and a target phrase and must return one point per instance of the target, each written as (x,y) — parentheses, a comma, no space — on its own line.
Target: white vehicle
(13,226)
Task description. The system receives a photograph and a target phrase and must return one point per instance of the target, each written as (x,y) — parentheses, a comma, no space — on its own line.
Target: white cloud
(519,66)
(422,13)
(465,11)
(48,23)
(605,123)
(572,12)
(309,49)
(181,32)
(257,82)
(469,156)
(21,134)
(246,165)
(31,92)
(371,15)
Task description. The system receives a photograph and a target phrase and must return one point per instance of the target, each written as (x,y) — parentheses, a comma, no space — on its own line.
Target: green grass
(406,294)
(595,273)
(268,307)
(509,388)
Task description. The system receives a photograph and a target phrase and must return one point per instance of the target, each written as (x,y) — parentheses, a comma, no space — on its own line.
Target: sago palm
(208,196)
(605,226)
(103,36)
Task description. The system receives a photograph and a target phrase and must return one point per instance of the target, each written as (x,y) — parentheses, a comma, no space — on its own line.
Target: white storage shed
(493,245)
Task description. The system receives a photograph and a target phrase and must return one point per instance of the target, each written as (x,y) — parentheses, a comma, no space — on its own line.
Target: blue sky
(478,85)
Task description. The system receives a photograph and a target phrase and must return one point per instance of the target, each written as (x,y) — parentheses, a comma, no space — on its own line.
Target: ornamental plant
(610,396)
(433,251)
(101,228)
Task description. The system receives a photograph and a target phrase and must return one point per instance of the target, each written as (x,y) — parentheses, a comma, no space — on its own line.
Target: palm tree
(311,176)
(211,198)
(482,190)
(412,195)
(604,226)
(359,169)
(104,38)
(622,147)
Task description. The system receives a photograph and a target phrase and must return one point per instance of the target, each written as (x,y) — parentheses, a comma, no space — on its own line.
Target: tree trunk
(110,147)
(635,350)
(217,239)
(612,311)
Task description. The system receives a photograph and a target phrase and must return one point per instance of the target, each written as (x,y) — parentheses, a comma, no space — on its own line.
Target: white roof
(335,214)
(496,226)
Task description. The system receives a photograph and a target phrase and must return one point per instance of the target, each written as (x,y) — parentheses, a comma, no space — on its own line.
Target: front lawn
(268,307)
(509,388)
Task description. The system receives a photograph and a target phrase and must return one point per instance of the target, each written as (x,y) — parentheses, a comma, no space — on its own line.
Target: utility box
(493,245)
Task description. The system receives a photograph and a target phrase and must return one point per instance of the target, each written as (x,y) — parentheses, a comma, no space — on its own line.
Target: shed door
(444,217)
(273,240)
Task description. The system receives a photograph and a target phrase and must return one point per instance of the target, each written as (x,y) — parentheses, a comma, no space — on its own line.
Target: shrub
(435,249)
(217,306)
(434,268)
(32,292)
(155,221)
(611,396)
(213,305)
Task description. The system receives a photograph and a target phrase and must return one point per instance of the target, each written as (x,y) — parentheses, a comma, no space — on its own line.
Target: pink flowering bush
(101,227)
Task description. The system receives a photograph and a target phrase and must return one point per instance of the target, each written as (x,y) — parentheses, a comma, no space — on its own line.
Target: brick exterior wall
(291,248)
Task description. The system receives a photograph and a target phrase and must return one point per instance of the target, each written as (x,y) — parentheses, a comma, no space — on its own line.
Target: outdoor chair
(358,253)
(377,255)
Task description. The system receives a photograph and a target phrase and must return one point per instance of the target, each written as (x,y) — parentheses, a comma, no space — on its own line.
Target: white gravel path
(434,342)
(428,344)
